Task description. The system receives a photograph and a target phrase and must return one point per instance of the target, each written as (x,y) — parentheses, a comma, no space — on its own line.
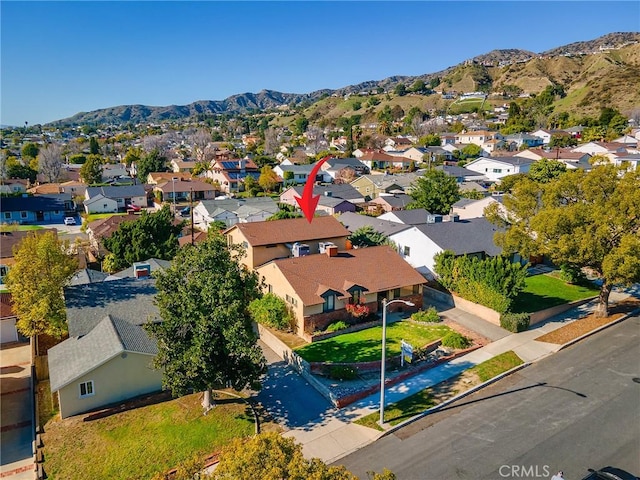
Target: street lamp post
(173,182)
(384,349)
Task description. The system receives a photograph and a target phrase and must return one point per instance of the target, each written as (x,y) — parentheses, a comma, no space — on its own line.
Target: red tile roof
(291,230)
(377,269)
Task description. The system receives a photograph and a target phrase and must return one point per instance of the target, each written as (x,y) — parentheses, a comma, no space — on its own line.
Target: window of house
(270,288)
(104,205)
(329,304)
(23,214)
(86,389)
(7,215)
(497,170)
(3,271)
(416,289)
(396,293)
(356,297)
(407,251)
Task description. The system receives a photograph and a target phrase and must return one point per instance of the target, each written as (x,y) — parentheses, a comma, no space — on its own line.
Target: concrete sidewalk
(16,455)
(334,436)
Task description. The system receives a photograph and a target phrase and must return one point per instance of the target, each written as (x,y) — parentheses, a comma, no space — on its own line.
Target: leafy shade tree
(206,339)
(430,140)
(268,179)
(251,186)
(545,170)
(41,270)
(153,161)
(368,237)
(153,235)
(91,170)
(270,456)
(30,150)
(300,125)
(435,191)
(507,183)
(17,170)
(50,162)
(561,141)
(588,219)
(400,90)
(132,156)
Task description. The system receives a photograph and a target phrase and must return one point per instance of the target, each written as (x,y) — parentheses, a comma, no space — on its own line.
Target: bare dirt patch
(589,323)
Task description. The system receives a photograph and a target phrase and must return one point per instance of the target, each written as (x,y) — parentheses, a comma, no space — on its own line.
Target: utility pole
(193,241)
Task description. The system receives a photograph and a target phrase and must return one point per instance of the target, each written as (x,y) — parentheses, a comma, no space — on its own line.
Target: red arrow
(308,202)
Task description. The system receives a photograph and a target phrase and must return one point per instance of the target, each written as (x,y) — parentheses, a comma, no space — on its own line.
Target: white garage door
(8,332)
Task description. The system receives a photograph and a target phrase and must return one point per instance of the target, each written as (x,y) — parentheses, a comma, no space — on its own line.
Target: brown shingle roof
(6,310)
(104,227)
(10,239)
(377,269)
(291,230)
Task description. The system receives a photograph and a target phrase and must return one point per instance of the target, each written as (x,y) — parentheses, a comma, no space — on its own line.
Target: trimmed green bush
(429,315)
(455,340)
(515,322)
(335,326)
(272,311)
(572,274)
(343,372)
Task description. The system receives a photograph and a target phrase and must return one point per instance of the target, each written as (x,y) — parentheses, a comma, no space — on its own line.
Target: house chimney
(332,250)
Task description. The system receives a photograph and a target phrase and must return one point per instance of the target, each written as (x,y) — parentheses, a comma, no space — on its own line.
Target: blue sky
(61,58)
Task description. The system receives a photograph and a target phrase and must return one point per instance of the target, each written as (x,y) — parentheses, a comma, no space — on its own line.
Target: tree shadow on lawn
(527,302)
(335,351)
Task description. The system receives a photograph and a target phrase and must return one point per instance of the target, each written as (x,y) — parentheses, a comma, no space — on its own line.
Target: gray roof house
(233,210)
(122,195)
(36,209)
(108,356)
(417,216)
(353,221)
(87,275)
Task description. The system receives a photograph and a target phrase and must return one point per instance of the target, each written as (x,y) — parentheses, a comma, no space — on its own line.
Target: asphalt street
(577,409)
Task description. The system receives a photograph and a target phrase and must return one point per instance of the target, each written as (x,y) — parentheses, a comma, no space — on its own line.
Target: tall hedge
(493,282)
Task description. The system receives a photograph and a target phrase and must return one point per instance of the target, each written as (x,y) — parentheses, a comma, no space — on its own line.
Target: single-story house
(101,199)
(496,168)
(420,243)
(11,186)
(108,355)
(342,191)
(389,203)
(184,190)
(517,140)
(11,239)
(462,174)
(371,186)
(104,227)
(233,210)
(36,209)
(319,287)
(334,206)
(298,173)
(416,216)
(161,177)
(470,208)
(354,221)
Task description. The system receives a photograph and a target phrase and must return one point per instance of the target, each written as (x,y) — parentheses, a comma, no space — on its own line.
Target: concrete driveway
(16,407)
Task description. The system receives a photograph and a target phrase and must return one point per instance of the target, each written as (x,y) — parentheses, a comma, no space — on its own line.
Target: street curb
(455,399)
(602,327)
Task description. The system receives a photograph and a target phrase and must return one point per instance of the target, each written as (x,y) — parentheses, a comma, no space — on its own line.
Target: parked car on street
(609,473)
(133,207)
(69,221)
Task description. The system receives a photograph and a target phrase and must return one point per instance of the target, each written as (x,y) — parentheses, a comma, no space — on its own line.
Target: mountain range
(594,73)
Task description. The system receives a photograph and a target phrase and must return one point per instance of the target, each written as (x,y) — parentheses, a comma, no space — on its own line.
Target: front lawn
(20,228)
(140,442)
(544,291)
(97,216)
(366,345)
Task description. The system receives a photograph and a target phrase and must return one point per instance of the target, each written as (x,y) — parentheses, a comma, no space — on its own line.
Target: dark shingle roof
(409,217)
(354,221)
(465,236)
(111,336)
(130,299)
(86,275)
(117,192)
(48,203)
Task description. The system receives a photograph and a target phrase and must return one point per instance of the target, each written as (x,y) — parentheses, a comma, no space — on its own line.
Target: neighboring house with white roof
(300,173)
(233,210)
(496,168)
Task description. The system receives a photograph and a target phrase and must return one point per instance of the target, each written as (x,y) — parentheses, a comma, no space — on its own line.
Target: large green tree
(153,235)
(587,219)
(41,269)
(153,161)
(30,150)
(545,170)
(435,191)
(91,170)
(206,339)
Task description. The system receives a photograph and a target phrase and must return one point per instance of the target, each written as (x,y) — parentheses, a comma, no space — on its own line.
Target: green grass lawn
(406,408)
(545,291)
(496,365)
(20,228)
(97,216)
(137,443)
(366,345)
